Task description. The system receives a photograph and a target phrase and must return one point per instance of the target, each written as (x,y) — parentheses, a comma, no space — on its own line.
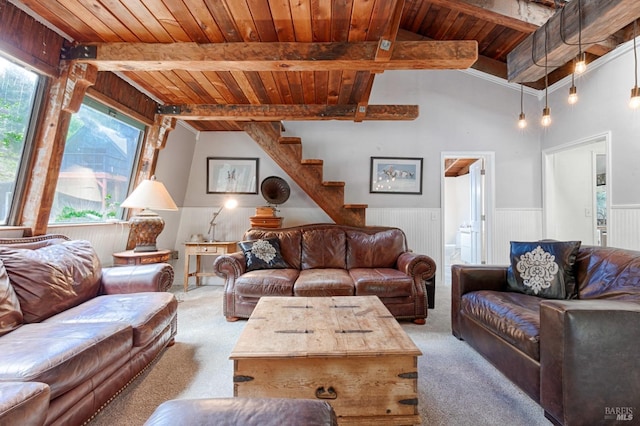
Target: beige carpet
(456,385)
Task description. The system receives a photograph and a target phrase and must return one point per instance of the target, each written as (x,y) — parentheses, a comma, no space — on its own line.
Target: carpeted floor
(456,385)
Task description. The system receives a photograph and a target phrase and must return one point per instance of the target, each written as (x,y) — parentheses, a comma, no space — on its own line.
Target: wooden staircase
(307,173)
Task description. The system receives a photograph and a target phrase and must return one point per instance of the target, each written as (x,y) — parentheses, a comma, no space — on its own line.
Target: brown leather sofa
(74,331)
(333,260)
(577,358)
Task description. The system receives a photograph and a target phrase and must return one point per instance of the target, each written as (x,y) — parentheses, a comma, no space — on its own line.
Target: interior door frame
(489,198)
(547,177)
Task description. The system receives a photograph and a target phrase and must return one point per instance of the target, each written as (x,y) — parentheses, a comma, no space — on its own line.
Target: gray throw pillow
(543,268)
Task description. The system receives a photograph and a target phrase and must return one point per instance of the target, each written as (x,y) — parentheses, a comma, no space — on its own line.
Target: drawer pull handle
(329,393)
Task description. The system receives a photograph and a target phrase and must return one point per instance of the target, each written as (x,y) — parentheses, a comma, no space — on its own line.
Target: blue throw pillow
(544,268)
(263,254)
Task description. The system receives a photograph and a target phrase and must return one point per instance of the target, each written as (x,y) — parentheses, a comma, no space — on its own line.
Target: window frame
(113,112)
(26,156)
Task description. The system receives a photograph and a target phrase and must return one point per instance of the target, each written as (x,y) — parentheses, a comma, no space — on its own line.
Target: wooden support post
(64,98)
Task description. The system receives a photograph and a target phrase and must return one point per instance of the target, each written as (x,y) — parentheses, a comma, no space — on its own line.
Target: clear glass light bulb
(546,117)
(573,95)
(634,102)
(581,64)
(522,122)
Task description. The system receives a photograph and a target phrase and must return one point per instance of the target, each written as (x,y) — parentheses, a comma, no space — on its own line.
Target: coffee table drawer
(360,389)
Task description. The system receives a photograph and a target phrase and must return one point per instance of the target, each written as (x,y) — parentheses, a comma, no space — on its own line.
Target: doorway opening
(467,190)
(577,188)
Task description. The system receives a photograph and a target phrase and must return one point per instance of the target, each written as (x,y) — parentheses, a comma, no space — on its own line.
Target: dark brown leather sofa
(333,260)
(577,358)
(73,332)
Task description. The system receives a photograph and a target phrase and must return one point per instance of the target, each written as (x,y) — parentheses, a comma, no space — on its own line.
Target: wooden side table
(131,257)
(214,248)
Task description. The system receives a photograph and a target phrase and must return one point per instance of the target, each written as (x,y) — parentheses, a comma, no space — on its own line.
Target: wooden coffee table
(348,350)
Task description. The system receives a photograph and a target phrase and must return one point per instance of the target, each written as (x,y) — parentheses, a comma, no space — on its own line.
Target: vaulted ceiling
(215,62)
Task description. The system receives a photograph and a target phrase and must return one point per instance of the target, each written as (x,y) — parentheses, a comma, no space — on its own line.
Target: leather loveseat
(332,260)
(72,332)
(577,358)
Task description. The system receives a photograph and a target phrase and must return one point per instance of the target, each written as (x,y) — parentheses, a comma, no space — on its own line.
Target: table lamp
(147,224)
(229,204)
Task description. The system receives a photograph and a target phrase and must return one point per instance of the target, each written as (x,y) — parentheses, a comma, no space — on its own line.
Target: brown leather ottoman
(244,411)
(23,403)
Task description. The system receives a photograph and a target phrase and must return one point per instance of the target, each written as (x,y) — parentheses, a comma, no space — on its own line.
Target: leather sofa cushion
(378,250)
(243,411)
(515,317)
(52,278)
(324,248)
(266,282)
(290,243)
(608,273)
(23,403)
(323,282)
(62,355)
(147,313)
(381,282)
(10,313)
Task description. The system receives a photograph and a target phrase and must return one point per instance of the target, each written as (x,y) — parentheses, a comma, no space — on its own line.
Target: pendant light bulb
(581,64)
(634,102)
(522,121)
(573,95)
(546,117)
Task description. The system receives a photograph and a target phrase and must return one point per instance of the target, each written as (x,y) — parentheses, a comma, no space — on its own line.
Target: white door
(478,226)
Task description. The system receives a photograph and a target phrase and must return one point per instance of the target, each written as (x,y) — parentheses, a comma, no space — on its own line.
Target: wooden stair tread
(332,183)
(290,140)
(312,161)
(355,206)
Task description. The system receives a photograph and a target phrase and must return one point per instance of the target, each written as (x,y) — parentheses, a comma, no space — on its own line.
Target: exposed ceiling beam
(293,56)
(484,63)
(288,112)
(599,19)
(517,15)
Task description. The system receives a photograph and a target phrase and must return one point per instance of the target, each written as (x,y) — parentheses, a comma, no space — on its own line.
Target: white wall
(603,107)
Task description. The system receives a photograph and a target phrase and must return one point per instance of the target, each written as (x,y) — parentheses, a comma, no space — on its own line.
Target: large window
(101,148)
(18,89)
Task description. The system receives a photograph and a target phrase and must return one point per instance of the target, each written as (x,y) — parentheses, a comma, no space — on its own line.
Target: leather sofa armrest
(468,278)
(154,277)
(422,269)
(229,266)
(414,264)
(589,360)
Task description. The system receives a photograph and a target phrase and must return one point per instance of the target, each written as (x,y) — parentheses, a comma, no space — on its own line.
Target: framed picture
(392,175)
(232,175)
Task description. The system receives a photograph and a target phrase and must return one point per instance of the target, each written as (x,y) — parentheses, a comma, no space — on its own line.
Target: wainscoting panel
(514,225)
(624,229)
(106,239)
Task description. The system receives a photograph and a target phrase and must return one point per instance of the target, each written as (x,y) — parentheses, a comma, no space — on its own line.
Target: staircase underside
(307,173)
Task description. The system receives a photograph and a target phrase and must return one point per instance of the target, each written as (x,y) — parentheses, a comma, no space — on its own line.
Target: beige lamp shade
(147,225)
(150,194)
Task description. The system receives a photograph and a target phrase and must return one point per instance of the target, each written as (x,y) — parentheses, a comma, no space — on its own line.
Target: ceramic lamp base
(146,226)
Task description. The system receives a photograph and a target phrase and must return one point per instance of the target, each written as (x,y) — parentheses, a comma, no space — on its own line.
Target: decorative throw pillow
(543,268)
(10,313)
(263,254)
(52,278)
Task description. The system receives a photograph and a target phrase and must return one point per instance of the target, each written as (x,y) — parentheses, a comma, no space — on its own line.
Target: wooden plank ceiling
(497,29)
